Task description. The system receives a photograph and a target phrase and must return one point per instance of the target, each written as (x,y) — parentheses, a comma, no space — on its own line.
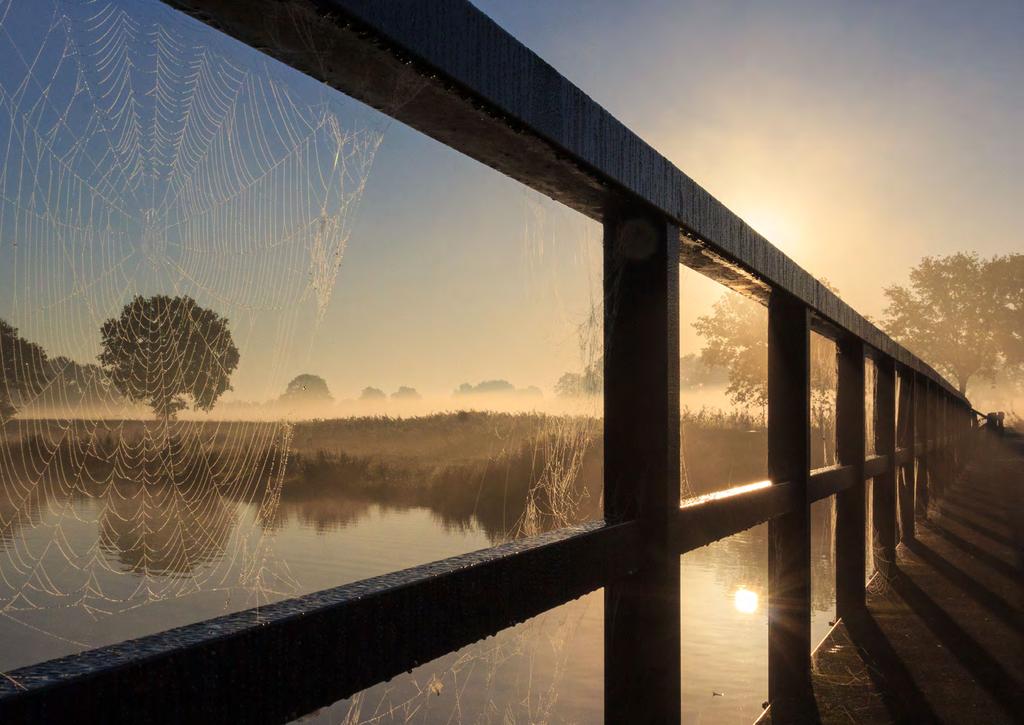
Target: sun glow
(774,224)
(745,600)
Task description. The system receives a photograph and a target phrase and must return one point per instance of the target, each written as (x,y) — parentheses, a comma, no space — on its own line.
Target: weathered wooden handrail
(447,70)
(381,627)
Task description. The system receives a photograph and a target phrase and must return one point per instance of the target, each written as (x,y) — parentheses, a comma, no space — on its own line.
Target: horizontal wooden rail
(292,657)
(828,481)
(723,514)
(875,466)
(706,519)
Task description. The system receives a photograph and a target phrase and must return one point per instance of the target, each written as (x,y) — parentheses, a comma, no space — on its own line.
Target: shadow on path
(988,672)
(892,678)
(973,588)
(942,640)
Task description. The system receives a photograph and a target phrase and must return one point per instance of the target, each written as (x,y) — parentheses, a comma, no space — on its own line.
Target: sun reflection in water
(745,600)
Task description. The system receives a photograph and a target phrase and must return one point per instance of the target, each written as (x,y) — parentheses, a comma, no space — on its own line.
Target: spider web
(139,155)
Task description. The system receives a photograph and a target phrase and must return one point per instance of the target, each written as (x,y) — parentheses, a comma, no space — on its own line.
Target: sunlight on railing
(727,493)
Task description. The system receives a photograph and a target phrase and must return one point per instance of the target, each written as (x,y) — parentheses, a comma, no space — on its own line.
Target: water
(547,669)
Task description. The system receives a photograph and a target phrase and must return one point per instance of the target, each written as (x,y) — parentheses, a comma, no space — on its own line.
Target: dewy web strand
(140,155)
(139,159)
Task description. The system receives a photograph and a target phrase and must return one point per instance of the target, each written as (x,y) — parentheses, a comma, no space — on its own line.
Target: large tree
(1007,274)
(24,367)
(164,350)
(962,314)
(736,338)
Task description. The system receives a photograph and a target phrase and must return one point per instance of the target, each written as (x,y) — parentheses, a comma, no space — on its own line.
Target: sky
(858,137)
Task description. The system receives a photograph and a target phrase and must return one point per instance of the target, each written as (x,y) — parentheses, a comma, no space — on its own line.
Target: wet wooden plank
(826,482)
(716,516)
(875,466)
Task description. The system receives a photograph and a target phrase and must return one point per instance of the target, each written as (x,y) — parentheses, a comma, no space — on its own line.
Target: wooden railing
(444,68)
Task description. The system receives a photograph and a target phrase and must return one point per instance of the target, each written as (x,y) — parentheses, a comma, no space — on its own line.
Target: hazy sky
(857,137)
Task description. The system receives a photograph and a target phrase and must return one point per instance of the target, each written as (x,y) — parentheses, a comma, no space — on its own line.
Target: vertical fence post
(850,503)
(641,465)
(943,431)
(905,439)
(789,540)
(947,422)
(954,409)
(884,487)
(922,429)
(934,458)
(938,479)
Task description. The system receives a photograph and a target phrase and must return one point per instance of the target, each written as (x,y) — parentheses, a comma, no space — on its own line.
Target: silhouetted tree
(307,388)
(695,372)
(404,392)
(589,382)
(962,314)
(1007,275)
(73,384)
(162,349)
(370,393)
(486,386)
(736,338)
(495,387)
(24,367)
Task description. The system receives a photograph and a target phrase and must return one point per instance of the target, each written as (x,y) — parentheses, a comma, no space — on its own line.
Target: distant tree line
(495,387)
(404,392)
(28,371)
(961,313)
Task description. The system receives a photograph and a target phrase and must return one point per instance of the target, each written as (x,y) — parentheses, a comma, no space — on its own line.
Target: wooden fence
(447,70)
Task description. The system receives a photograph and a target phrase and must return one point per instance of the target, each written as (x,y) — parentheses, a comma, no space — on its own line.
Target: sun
(745,600)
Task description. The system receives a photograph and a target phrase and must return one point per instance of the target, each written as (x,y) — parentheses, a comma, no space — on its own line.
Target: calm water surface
(547,669)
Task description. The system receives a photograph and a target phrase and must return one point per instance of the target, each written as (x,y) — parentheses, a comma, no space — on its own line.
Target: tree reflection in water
(189,526)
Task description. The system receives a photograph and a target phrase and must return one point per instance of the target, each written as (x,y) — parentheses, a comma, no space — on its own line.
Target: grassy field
(509,473)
